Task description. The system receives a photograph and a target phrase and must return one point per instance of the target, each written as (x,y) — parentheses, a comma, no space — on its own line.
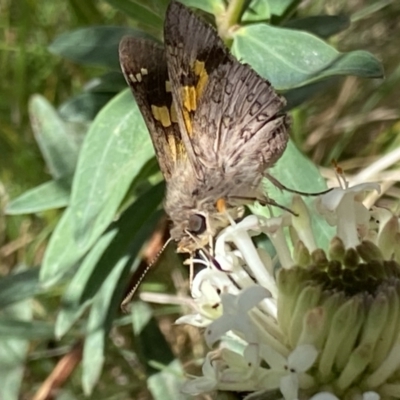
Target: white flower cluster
(308,323)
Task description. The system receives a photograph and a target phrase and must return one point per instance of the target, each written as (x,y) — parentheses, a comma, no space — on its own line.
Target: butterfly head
(196,230)
(192,233)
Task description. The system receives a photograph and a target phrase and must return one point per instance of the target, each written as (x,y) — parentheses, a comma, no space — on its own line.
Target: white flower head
(323,321)
(292,368)
(343,207)
(207,287)
(235,315)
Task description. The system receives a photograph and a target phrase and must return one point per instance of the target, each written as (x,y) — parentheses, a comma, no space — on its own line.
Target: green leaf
(115,149)
(210,6)
(72,303)
(85,106)
(57,145)
(131,232)
(124,236)
(97,328)
(111,82)
(95,45)
(323,26)
(148,334)
(258,10)
(141,314)
(19,286)
(104,308)
(61,253)
(141,13)
(297,172)
(167,384)
(289,58)
(279,7)
(14,328)
(297,96)
(369,9)
(47,196)
(13,351)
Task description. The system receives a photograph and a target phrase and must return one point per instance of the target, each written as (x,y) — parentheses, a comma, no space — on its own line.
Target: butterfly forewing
(191,58)
(145,69)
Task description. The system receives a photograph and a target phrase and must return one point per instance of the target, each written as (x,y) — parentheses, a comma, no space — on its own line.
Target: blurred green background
(352,120)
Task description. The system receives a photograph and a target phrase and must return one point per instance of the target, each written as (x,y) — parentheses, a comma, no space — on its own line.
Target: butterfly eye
(197,224)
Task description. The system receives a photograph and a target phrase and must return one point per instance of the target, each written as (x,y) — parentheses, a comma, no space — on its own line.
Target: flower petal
(250,354)
(302,358)
(250,297)
(193,319)
(207,281)
(371,396)
(274,359)
(289,387)
(324,396)
(198,386)
(218,328)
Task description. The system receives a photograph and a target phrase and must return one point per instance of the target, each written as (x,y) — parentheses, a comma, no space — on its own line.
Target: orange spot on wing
(200,71)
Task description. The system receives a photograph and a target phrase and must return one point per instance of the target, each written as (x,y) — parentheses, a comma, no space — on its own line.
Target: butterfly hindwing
(240,115)
(224,105)
(144,66)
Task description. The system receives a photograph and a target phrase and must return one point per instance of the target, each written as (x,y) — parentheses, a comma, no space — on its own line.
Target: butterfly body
(216,125)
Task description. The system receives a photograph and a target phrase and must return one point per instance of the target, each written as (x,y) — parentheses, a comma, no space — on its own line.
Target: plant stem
(229,18)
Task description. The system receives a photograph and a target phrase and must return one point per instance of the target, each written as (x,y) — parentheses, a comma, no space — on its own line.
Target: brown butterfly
(216,125)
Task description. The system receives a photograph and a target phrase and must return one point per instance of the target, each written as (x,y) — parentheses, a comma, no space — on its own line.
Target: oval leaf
(141,13)
(149,334)
(280,7)
(323,26)
(111,82)
(167,384)
(99,322)
(104,307)
(47,196)
(94,46)
(209,6)
(31,330)
(13,352)
(115,149)
(57,145)
(61,253)
(126,236)
(297,96)
(289,58)
(85,106)
(19,286)
(257,10)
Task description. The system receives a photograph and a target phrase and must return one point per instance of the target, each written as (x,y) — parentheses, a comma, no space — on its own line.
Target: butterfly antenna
(129,296)
(281,186)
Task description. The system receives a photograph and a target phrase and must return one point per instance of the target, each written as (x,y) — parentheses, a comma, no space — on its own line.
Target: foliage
(107,189)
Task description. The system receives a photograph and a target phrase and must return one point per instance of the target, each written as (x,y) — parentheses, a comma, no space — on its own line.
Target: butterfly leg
(191,273)
(264,202)
(281,186)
